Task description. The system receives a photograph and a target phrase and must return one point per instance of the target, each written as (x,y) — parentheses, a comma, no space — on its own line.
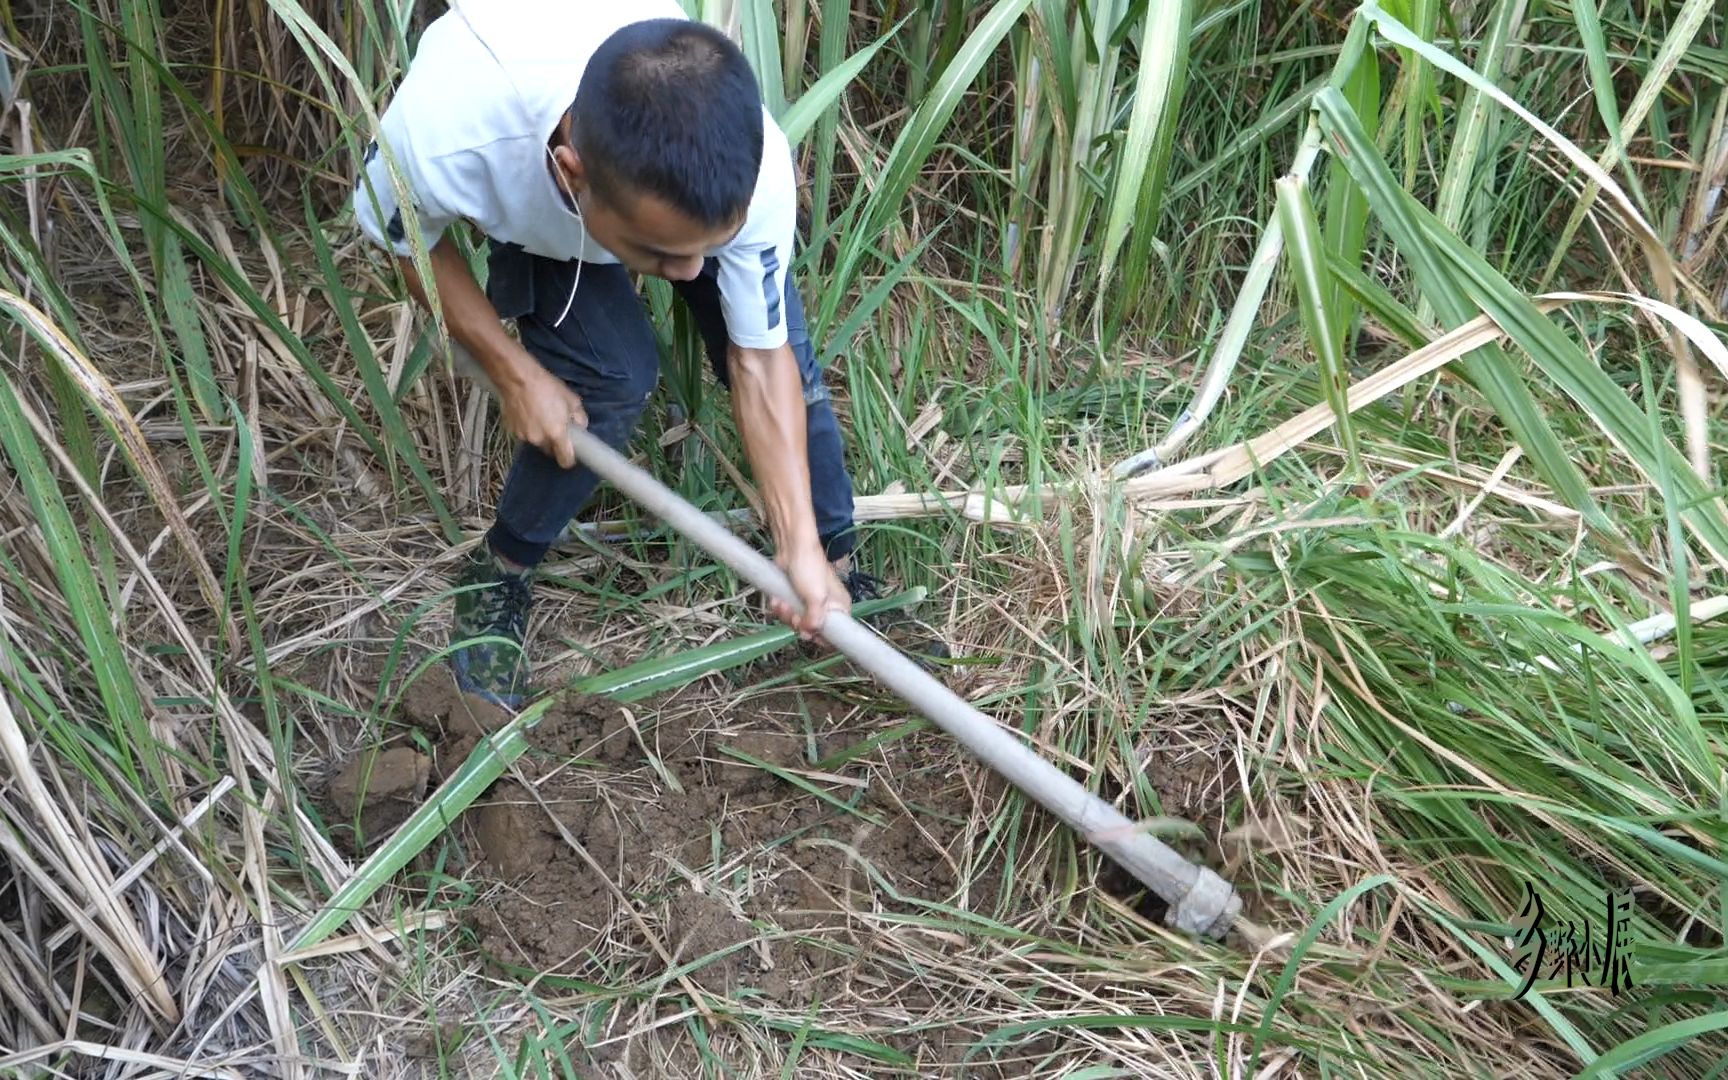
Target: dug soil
(764,851)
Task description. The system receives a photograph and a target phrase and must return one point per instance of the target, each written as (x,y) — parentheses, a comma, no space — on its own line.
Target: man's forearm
(768,406)
(472,319)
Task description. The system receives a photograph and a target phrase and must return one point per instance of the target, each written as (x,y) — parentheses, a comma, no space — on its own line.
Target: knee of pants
(614,411)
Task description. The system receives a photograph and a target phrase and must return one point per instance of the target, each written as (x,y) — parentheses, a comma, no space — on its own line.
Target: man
(589,141)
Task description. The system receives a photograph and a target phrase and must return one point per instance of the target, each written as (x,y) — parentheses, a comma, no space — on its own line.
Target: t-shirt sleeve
(754,266)
(381,192)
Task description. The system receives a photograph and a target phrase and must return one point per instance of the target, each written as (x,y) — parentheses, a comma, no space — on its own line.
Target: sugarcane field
(734,539)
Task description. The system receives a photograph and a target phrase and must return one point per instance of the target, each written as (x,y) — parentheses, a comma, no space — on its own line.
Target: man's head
(663,144)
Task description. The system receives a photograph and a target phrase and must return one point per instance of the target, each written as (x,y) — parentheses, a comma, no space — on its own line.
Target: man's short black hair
(671,107)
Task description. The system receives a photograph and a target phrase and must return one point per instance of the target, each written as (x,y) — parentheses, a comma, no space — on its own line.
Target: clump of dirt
(704,925)
(1189,782)
(453,721)
(379,791)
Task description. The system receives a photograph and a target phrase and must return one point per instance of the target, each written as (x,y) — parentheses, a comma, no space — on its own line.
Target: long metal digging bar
(1200,902)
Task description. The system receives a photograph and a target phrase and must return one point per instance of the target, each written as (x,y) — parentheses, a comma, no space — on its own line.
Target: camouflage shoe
(906,632)
(495,605)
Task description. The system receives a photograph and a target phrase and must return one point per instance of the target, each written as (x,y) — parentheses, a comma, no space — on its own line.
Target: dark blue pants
(605,351)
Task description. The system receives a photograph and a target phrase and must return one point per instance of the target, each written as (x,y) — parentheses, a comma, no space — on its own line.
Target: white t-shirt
(468,128)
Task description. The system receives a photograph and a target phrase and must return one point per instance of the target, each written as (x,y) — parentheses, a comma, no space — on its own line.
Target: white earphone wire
(575,212)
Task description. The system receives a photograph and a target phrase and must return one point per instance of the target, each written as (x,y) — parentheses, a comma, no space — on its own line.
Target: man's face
(647,234)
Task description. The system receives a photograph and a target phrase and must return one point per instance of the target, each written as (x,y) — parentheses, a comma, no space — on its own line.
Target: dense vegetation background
(1096,282)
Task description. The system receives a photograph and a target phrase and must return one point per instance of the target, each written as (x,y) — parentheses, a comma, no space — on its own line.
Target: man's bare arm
(768,406)
(538,408)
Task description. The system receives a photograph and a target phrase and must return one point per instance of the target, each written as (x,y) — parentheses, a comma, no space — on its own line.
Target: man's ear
(571,163)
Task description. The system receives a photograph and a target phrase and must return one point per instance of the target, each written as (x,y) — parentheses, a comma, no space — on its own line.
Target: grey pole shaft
(1200,901)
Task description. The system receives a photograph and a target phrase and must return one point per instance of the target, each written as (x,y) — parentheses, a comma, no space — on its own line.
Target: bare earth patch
(763,857)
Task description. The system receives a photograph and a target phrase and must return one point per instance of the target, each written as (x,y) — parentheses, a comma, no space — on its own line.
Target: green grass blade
(180,304)
(1304,255)
(1253,138)
(317,47)
(1425,86)
(1287,977)
(135,747)
(1475,114)
(1682,32)
(142,141)
(836,17)
(1346,224)
(1233,338)
(651,677)
(1564,1028)
(1589,21)
(397,438)
(1582,379)
(1488,369)
(1661,262)
(75,429)
(792,778)
(1143,162)
(1379,302)
(1652,1044)
(841,338)
(431,819)
(798,118)
(761,32)
(106,97)
(913,146)
(266,315)
(795,45)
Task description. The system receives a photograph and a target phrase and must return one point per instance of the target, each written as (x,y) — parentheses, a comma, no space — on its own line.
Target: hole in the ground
(1119,883)
(1114,879)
